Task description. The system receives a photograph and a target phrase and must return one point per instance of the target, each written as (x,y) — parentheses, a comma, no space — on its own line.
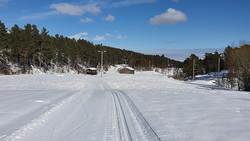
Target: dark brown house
(91,71)
(127,70)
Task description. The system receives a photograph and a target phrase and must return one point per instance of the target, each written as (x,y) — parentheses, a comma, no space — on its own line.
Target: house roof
(91,69)
(130,68)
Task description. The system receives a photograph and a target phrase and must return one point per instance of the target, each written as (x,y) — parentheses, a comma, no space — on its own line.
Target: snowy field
(144,106)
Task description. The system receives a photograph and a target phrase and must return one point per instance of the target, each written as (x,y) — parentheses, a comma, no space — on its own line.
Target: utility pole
(40,53)
(149,63)
(125,61)
(168,68)
(40,63)
(101,61)
(218,71)
(193,68)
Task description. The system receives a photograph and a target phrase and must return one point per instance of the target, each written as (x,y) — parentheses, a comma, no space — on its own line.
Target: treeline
(210,63)
(235,60)
(30,47)
(238,65)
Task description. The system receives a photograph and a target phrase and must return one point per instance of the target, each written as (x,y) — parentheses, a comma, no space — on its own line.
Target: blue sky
(175,28)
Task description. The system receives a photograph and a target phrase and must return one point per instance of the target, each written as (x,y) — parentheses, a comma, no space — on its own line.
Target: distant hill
(30,48)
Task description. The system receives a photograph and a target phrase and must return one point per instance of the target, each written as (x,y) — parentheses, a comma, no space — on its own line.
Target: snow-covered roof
(130,68)
(91,69)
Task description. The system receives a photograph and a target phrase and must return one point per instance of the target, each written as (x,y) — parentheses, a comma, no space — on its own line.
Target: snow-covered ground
(143,106)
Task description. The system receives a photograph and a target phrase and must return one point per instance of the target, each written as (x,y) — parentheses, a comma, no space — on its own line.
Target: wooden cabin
(91,71)
(126,70)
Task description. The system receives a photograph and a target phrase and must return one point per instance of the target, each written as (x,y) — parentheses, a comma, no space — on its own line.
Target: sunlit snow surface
(81,107)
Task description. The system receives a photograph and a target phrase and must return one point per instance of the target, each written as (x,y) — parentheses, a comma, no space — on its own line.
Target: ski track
(128,121)
(146,128)
(95,106)
(131,123)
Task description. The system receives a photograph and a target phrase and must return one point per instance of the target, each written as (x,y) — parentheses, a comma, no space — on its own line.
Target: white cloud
(108,34)
(68,9)
(91,8)
(38,15)
(110,18)
(171,16)
(121,37)
(78,36)
(86,20)
(99,38)
(131,2)
(75,10)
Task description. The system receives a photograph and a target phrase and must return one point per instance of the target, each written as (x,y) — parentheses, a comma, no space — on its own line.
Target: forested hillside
(29,47)
(236,60)
(238,65)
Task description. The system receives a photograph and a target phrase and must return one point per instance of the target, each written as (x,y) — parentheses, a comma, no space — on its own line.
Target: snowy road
(92,112)
(144,106)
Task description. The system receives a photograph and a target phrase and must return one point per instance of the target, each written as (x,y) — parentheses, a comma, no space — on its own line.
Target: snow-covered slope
(143,106)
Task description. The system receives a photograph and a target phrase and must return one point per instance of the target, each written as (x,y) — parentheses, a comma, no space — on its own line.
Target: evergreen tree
(193,62)
(211,62)
(34,52)
(47,51)
(29,45)
(15,44)
(4,43)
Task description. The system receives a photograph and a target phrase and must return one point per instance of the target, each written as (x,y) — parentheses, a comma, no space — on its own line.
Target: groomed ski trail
(96,112)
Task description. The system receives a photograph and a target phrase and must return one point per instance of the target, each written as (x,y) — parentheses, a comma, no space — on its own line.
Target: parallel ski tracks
(124,133)
(130,123)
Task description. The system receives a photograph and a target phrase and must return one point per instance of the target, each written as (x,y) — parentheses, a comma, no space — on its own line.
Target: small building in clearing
(91,71)
(126,70)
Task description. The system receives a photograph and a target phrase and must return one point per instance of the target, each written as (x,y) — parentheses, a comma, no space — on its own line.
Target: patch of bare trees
(238,63)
